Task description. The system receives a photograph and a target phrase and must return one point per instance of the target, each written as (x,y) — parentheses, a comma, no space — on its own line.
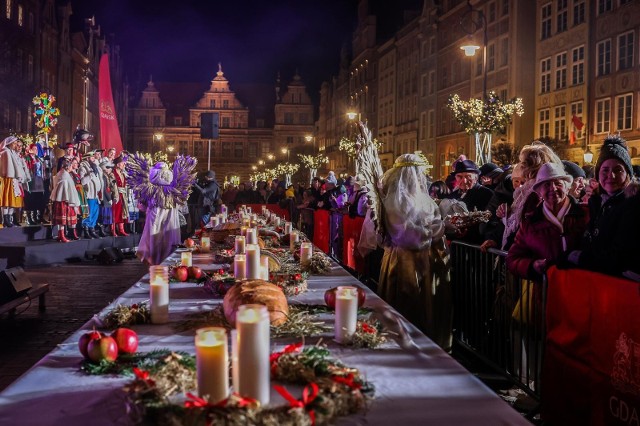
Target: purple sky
(253,39)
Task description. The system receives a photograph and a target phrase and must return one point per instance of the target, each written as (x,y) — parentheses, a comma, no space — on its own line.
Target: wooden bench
(38,291)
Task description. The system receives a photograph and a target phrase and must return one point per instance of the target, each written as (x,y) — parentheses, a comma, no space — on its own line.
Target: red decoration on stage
(109,131)
(321,229)
(351,230)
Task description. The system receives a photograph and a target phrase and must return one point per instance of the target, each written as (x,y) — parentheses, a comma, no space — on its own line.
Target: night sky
(183,41)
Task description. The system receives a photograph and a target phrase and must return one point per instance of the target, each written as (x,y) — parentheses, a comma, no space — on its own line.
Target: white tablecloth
(416,383)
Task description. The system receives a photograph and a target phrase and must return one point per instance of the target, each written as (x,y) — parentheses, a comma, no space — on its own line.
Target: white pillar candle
(267,213)
(264,267)
(252,322)
(235,382)
(264,209)
(253,261)
(277,221)
(212,363)
(252,236)
(294,237)
(239,244)
(287,228)
(185,258)
(240,266)
(223,209)
(273,217)
(159,294)
(346,313)
(306,252)
(215,220)
(223,218)
(249,210)
(205,243)
(246,221)
(243,230)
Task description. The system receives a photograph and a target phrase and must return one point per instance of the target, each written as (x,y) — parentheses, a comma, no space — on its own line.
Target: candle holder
(212,363)
(293,240)
(346,313)
(252,322)
(159,294)
(288,227)
(186,258)
(306,253)
(240,266)
(205,244)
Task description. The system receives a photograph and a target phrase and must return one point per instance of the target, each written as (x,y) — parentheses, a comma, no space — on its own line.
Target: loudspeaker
(209,123)
(13,283)
(110,255)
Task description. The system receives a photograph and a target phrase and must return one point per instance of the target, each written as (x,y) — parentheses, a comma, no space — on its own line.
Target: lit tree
(287,169)
(484,118)
(313,163)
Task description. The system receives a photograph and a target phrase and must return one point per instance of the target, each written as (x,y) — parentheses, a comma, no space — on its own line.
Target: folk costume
(35,200)
(120,206)
(161,190)
(109,196)
(90,175)
(66,202)
(13,174)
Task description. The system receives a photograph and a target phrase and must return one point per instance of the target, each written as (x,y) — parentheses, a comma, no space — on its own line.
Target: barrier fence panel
(498,317)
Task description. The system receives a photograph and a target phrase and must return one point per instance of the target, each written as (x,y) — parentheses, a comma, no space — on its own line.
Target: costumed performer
(120,206)
(13,174)
(415,272)
(66,202)
(161,190)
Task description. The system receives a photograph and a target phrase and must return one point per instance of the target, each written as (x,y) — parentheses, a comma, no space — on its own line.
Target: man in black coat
(209,194)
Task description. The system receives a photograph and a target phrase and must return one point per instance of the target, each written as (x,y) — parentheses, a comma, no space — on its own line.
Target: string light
(490,116)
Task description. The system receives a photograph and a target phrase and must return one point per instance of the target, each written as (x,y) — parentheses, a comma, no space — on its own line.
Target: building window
(578,12)
(20,15)
(561,71)
(265,147)
(560,123)
(143,121)
(576,111)
(625,2)
(577,66)
(212,103)
(603,115)
(545,30)
(18,121)
(432,46)
(431,125)
(226,122)
(32,23)
(492,12)
(424,86)
(226,149)
(177,121)
(432,82)
(604,57)
(605,6)
(505,7)
(478,65)
(543,123)
(156,121)
(625,51)
(491,57)
(197,148)
(562,17)
(304,118)
(504,52)
(253,152)
(624,105)
(225,103)
(288,118)
(8,9)
(289,140)
(545,75)
(238,150)
(183,147)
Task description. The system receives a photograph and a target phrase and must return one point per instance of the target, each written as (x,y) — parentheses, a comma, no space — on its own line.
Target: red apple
(330,297)
(126,339)
(85,339)
(362,296)
(195,272)
(188,243)
(181,273)
(103,348)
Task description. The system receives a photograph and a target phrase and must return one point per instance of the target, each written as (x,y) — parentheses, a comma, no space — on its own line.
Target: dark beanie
(573,169)
(614,147)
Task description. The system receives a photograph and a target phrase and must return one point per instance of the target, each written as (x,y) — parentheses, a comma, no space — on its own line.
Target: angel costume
(162,191)
(415,271)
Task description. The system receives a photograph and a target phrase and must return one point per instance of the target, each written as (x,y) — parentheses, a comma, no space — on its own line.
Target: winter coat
(537,238)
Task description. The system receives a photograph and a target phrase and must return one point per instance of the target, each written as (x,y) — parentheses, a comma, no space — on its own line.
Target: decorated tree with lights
(350,147)
(483,118)
(313,163)
(287,169)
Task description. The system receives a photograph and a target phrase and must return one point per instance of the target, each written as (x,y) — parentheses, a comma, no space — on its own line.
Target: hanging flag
(577,122)
(572,138)
(109,131)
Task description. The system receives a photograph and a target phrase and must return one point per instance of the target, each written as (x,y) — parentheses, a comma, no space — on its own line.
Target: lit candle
(254,217)
(253,261)
(205,244)
(243,230)
(246,221)
(252,236)
(277,221)
(294,237)
(287,228)
(223,218)
(264,209)
(223,209)
(212,363)
(239,244)
(264,267)
(159,294)
(234,360)
(215,220)
(240,266)
(346,313)
(252,322)
(185,258)
(249,210)
(306,252)
(244,209)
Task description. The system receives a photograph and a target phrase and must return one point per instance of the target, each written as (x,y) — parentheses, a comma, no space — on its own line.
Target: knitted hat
(614,147)
(573,169)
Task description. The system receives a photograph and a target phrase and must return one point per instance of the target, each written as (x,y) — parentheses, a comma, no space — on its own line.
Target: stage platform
(33,246)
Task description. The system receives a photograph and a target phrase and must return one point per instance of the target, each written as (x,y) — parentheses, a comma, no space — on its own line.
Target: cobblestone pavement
(77,291)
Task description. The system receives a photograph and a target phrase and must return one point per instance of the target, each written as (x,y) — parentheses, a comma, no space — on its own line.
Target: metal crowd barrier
(499,317)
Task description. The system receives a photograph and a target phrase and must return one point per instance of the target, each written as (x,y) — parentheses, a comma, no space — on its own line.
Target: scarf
(557,220)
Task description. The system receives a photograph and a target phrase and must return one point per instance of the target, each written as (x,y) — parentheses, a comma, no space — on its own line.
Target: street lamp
(286,151)
(270,157)
(170,148)
(157,136)
(261,162)
(471,48)
(588,156)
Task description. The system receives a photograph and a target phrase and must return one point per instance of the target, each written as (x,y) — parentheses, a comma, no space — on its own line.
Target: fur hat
(550,171)
(573,169)
(614,147)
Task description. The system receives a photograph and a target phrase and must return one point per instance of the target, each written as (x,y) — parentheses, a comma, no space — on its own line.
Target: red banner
(351,229)
(109,131)
(591,373)
(321,229)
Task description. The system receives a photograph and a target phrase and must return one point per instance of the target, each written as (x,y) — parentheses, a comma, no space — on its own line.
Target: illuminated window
(560,123)
(545,75)
(20,15)
(8,9)
(543,123)
(576,110)
(603,115)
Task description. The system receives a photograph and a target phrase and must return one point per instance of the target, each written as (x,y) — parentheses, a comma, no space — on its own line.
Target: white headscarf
(160,174)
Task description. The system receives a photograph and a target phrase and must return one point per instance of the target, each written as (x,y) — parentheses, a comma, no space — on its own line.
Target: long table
(416,382)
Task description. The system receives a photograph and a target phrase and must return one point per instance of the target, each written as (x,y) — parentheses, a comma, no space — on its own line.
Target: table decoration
(331,390)
(122,315)
(219,282)
(256,291)
(346,313)
(151,361)
(252,324)
(159,293)
(186,258)
(291,284)
(225,256)
(320,264)
(253,261)
(240,244)
(205,244)
(240,266)
(306,252)
(212,363)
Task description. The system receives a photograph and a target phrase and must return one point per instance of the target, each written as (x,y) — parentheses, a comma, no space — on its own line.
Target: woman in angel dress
(414,277)
(160,191)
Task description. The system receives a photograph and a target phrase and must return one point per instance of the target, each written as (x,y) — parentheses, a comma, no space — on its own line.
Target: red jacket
(537,238)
